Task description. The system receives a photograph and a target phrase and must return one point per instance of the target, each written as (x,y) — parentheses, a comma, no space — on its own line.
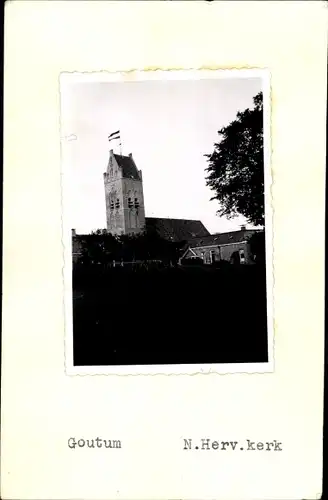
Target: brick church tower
(125,211)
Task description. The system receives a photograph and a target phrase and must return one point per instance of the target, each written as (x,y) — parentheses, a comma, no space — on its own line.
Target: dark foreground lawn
(184,315)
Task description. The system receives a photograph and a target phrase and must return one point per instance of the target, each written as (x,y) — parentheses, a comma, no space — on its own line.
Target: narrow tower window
(130,204)
(117,204)
(112,204)
(136,203)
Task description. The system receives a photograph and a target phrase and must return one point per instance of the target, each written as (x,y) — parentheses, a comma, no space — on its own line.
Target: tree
(257,246)
(101,247)
(236,166)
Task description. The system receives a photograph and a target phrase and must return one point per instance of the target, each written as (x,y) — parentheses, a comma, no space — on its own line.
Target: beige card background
(41,406)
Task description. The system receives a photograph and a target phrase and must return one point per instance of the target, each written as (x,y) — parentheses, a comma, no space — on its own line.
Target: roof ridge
(174,218)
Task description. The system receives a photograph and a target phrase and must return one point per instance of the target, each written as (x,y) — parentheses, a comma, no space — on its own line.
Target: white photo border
(176,369)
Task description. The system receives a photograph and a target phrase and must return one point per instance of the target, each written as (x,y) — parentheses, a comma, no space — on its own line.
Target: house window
(212,256)
(242,256)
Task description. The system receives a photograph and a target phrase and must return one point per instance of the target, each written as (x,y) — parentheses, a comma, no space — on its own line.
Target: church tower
(125,211)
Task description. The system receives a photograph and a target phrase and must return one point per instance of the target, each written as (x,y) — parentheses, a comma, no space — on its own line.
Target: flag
(113,138)
(114,135)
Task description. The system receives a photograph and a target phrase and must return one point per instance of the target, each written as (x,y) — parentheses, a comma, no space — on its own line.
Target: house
(77,240)
(175,230)
(232,247)
(125,214)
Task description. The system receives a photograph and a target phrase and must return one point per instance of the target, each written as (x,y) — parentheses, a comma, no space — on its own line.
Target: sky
(168,126)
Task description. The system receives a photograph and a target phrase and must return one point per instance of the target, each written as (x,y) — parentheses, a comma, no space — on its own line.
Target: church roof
(177,229)
(128,167)
(221,238)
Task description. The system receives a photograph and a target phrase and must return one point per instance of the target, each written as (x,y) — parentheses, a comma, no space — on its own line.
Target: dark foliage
(236,166)
(169,315)
(257,247)
(104,248)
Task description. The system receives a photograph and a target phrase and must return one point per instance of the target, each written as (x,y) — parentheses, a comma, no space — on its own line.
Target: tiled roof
(184,229)
(128,166)
(221,238)
(177,229)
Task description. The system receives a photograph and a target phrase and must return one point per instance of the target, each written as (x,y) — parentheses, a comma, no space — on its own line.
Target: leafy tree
(99,247)
(257,246)
(236,166)
(102,247)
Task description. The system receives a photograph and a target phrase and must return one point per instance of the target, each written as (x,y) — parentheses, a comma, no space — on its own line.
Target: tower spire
(125,211)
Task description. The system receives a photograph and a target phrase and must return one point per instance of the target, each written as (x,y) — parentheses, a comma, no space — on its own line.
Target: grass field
(164,316)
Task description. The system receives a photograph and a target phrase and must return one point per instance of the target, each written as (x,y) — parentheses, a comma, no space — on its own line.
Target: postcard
(163,257)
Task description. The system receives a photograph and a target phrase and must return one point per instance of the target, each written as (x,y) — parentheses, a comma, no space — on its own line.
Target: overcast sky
(168,126)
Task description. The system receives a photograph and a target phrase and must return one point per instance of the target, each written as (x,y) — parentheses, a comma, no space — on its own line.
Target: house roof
(177,229)
(221,238)
(129,168)
(184,229)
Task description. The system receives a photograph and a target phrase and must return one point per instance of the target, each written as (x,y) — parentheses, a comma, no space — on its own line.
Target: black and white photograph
(163,295)
(166,210)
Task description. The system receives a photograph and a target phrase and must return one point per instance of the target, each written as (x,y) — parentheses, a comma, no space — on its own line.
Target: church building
(125,208)
(125,214)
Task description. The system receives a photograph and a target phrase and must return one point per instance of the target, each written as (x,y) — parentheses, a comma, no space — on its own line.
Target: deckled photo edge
(182,369)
